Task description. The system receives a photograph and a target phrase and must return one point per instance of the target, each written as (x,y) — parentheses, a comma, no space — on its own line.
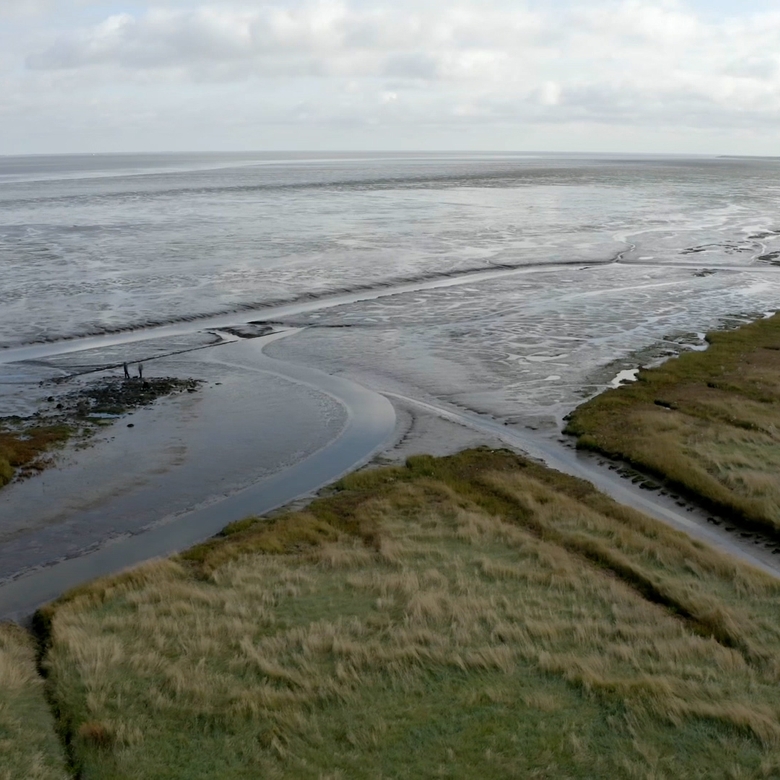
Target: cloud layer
(631,73)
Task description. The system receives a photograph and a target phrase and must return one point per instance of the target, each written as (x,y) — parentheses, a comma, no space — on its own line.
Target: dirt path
(556,455)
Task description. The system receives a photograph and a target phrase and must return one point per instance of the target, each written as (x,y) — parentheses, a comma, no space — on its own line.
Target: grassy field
(476,616)
(29,749)
(707,422)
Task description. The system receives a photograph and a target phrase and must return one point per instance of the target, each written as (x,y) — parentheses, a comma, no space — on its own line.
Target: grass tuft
(29,749)
(96,734)
(22,446)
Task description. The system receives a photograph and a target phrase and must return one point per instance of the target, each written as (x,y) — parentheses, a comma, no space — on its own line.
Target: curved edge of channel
(370,424)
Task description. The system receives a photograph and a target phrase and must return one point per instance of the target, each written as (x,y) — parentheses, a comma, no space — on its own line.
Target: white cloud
(339,38)
(648,65)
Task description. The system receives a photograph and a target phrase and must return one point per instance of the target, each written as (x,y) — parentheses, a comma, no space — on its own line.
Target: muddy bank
(189,465)
(27,444)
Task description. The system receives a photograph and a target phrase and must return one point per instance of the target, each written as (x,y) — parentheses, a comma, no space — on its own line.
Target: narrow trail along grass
(29,747)
(706,422)
(471,616)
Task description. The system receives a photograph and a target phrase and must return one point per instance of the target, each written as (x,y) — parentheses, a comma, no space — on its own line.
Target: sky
(664,76)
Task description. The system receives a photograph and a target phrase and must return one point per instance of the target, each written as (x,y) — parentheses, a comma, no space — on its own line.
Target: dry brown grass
(29,749)
(474,616)
(708,423)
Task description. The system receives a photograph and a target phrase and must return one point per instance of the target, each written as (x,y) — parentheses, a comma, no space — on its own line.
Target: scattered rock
(80,412)
(251,330)
(116,396)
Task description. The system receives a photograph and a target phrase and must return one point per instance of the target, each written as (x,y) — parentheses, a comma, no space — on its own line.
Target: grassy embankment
(29,748)
(707,422)
(471,616)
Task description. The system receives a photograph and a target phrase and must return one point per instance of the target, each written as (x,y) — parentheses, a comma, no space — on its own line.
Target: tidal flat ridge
(26,443)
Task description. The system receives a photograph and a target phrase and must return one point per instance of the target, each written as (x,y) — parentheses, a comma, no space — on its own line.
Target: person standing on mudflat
(127,370)
(140,370)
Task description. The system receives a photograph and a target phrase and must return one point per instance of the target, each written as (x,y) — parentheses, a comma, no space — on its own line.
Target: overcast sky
(562,75)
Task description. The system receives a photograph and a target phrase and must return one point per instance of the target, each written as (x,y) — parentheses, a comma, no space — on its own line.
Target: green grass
(707,422)
(471,616)
(29,749)
(23,446)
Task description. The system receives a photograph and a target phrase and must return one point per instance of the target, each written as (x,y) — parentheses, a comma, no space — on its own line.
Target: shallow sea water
(614,255)
(512,286)
(86,248)
(533,346)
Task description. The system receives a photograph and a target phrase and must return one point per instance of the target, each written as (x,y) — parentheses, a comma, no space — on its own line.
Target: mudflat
(26,442)
(471,616)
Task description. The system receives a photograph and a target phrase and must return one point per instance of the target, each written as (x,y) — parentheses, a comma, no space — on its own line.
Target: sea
(95,243)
